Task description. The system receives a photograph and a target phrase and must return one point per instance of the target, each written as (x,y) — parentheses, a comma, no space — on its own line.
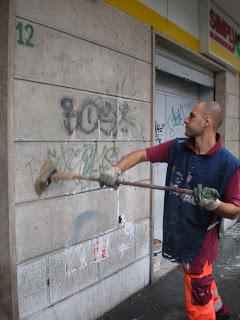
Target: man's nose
(186,120)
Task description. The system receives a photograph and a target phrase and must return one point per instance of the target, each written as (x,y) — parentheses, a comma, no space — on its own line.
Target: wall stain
(83,219)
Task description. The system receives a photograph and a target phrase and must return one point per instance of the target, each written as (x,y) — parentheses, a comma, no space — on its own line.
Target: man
(191,223)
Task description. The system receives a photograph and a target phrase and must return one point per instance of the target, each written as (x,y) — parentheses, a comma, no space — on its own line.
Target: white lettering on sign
(222,32)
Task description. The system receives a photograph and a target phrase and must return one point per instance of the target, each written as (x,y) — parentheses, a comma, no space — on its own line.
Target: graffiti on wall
(158,131)
(89,160)
(176,117)
(173,125)
(98,114)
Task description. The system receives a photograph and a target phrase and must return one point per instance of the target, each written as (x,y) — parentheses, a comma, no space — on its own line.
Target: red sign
(222,32)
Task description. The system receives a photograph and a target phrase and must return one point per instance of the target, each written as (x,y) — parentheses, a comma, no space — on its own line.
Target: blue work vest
(184,222)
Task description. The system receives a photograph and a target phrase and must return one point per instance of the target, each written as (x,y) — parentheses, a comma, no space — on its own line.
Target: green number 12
(28,28)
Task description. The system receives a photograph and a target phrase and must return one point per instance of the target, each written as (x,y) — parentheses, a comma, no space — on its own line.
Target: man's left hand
(206,197)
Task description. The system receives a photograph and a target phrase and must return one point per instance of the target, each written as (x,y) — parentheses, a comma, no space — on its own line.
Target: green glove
(206,197)
(109,178)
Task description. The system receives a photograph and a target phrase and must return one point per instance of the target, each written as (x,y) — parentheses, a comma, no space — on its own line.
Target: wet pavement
(164,300)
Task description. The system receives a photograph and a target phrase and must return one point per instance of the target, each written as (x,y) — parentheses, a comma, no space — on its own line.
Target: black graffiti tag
(158,131)
(68,115)
(93,115)
(99,114)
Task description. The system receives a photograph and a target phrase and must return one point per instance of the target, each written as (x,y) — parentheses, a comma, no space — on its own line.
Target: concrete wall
(82,98)
(8,305)
(228,94)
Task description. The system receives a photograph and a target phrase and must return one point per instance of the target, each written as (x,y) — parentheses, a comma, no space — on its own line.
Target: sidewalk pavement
(164,300)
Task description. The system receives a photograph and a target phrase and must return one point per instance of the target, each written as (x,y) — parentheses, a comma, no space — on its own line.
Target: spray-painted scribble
(159,132)
(128,124)
(174,124)
(99,114)
(86,161)
(69,115)
(177,116)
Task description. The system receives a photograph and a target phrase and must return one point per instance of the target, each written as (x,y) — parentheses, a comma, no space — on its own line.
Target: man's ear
(208,121)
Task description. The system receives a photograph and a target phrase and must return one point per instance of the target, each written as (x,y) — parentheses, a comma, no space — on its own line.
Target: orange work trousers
(202,300)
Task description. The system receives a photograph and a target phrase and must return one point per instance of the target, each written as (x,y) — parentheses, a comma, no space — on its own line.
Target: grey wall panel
(32,287)
(143,241)
(135,202)
(83,158)
(50,113)
(232,128)
(48,225)
(232,106)
(58,58)
(92,20)
(232,84)
(83,305)
(121,252)
(129,243)
(71,270)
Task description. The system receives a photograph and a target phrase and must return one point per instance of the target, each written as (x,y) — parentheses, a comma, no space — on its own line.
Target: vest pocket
(201,290)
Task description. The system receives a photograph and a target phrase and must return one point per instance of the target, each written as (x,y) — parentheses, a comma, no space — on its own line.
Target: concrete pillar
(8,309)
(227,94)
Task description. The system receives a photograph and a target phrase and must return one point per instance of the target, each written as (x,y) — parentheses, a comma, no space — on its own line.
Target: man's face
(195,122)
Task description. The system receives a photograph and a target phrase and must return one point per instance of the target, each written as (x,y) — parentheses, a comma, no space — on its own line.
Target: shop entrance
(174,98)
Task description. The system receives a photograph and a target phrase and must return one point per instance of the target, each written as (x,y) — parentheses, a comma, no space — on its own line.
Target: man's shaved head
(215,111)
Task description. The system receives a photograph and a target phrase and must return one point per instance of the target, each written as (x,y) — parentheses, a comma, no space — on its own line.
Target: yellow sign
(219,36)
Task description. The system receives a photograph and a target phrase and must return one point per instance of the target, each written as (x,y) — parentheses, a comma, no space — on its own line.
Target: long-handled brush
(48,173)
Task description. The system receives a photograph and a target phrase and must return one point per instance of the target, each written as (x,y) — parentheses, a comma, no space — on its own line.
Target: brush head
(45,177)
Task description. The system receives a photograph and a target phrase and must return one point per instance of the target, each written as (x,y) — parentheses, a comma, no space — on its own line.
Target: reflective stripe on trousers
(202,300)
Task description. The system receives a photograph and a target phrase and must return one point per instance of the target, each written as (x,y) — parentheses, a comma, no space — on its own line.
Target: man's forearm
(227,210)
(131,159)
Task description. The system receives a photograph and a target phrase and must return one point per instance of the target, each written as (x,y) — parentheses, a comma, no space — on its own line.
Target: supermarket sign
(219,36)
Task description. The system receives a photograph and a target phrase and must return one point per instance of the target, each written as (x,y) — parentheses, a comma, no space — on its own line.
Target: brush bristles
(44,178)
(39,187)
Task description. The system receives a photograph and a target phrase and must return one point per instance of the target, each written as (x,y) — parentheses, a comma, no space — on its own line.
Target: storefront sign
(219,36)
(222,32)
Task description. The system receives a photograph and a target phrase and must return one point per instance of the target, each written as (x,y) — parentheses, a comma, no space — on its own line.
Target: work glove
(206,197)
(109,178)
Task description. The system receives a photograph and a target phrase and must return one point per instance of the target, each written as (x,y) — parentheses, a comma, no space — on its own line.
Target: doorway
(174,98)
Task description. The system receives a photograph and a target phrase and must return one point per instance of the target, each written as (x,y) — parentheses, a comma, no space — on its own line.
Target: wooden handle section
(66,176)
(155,187)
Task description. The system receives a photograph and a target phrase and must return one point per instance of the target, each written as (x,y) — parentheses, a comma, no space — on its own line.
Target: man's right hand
(109,178)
